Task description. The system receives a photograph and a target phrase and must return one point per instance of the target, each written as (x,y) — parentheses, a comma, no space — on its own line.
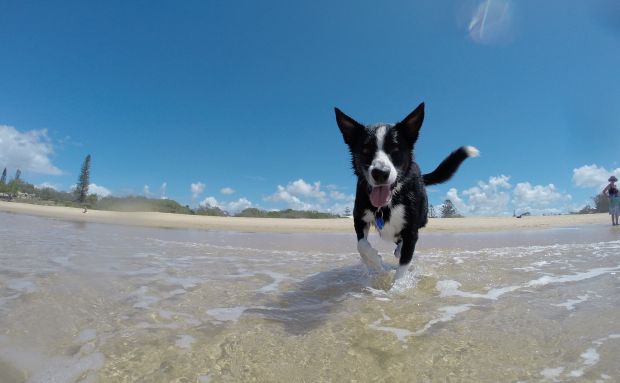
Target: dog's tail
(450,165)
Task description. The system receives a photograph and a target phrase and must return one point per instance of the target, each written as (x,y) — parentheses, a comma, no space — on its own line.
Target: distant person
(614,199)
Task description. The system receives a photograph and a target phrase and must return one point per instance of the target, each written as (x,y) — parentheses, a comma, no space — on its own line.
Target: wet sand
(282,225)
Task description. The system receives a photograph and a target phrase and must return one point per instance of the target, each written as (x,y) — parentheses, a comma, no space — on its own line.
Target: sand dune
(340,225)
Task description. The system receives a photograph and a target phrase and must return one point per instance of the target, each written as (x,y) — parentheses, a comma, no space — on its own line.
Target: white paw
(397,250)
(369,255)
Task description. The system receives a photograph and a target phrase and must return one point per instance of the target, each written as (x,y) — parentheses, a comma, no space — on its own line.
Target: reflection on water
(101,303)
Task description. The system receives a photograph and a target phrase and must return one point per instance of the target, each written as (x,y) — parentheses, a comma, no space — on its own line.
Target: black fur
(409,188)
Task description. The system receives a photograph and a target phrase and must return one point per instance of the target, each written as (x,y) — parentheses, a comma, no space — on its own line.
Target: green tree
(587,210)
(3,178)
(448,210)
(210,210)
(13,186)
(601,203)
(81,189)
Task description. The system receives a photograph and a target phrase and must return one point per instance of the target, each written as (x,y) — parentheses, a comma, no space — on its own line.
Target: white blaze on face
(381,160)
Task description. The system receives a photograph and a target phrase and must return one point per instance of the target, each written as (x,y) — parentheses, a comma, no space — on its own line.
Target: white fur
(368,217)
(380,134)
(381,160)
(370,256)
(399,247)
(472,151)
(396,223)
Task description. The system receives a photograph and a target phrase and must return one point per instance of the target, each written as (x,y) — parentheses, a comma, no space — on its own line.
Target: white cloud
(498,197)
(197,189)
(593,176)
(239,205)
(459,204)
(339,196)
(210,202)
(301,188)
(29,151)
(99,190)
(227,191)
(93,188)
(301,195)
(485,199)
(539,199)
(283,195)
(48,185)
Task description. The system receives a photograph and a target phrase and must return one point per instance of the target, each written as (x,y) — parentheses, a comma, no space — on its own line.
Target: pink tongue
(380,195)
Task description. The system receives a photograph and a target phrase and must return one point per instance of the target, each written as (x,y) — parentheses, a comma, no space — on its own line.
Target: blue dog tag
(379,222)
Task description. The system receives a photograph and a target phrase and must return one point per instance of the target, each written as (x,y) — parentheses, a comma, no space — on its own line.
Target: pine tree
(3,178)
(448,210)
(81,189)
(18,174)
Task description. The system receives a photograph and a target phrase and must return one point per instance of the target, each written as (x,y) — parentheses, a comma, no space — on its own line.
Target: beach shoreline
(286,225)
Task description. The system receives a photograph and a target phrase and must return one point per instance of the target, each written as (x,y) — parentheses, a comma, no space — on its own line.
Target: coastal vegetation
(288,213)
(19,190)
(601,205)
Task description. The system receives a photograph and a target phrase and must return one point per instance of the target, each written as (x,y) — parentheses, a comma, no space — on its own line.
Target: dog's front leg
(399,246)
(369,255)
(409,241)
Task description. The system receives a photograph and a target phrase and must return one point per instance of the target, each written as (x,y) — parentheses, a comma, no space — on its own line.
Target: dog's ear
(349,127)
(410,126)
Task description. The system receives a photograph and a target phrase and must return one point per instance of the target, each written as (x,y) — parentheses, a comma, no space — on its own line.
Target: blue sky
(237,97)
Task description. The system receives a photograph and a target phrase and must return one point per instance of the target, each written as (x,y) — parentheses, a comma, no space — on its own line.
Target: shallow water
(101,303)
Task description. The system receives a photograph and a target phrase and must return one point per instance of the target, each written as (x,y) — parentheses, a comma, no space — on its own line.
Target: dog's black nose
(380,176)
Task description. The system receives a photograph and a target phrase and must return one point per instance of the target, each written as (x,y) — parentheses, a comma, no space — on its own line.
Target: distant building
(21,195)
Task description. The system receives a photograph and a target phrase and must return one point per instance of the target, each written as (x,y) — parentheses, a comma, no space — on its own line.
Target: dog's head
(381,153)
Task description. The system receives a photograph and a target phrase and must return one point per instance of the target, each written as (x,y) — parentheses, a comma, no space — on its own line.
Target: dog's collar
(379,222)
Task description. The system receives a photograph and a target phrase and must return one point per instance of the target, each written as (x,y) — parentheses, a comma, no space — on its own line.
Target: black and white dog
(391,192)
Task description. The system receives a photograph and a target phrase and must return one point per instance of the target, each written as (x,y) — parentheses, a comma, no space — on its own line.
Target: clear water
(102,303)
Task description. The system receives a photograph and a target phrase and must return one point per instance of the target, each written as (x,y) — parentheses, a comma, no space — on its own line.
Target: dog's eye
(365,150)
(396,155)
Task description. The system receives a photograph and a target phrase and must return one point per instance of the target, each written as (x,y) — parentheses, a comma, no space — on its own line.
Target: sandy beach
(281,225)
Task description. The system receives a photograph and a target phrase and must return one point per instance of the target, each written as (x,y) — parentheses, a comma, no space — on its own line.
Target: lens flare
(491,22)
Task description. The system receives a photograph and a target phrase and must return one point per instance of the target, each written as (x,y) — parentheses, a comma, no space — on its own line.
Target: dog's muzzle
(381,195)
(381,181)
(380,176)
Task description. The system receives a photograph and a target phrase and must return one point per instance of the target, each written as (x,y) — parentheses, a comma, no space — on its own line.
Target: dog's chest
(393,226)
